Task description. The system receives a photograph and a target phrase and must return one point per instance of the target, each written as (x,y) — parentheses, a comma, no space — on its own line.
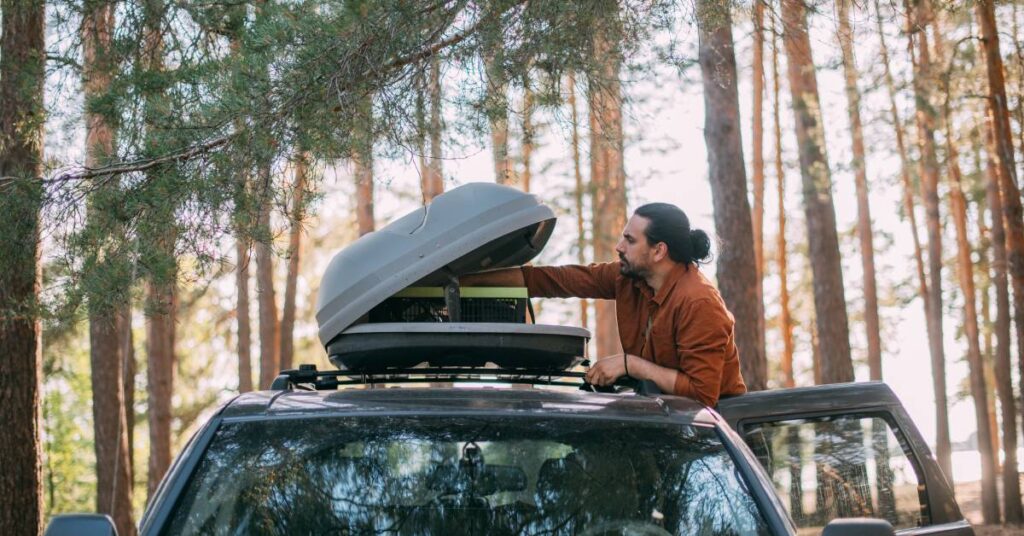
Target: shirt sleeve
(596,281)
(702,340)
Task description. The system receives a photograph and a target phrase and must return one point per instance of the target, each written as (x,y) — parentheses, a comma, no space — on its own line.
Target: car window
(840,466)
(462,475)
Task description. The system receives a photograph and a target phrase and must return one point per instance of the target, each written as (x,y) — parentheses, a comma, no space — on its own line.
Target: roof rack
(308,378)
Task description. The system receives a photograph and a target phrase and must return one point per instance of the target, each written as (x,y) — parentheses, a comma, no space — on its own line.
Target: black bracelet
(625,364)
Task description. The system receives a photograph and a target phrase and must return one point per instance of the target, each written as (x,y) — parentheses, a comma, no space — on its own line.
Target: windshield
(465,475)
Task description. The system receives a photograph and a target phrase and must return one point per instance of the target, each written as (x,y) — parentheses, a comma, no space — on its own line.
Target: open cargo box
(392,298)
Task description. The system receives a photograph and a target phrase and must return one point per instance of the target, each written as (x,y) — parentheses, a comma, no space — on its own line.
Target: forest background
(176,175)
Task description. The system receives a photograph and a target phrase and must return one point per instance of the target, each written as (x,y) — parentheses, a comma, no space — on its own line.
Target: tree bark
(22,75)
(757,81)
(965,273)
(823,243)
(1004,387)
(1002,156)
(497,108)
(363,161)
(431,172)
(917,23)
(737,265)
(580,192)
(160,342)
(864,225)
(785,321)
(270,327)
(161,299)
(106,323)
(607,170)
(242,254)
(908,189)
(130,369)
(985,270)
(528,132)
(294,258)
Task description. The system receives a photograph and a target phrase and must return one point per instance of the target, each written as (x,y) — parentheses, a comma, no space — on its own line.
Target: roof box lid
(475,227)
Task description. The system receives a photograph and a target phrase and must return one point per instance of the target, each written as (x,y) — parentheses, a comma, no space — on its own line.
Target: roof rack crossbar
(309,378)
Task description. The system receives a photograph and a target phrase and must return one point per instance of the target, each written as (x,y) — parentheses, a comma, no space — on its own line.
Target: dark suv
(490,456)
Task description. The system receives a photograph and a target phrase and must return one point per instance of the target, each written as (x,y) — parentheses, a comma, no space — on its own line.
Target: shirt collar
(678,272)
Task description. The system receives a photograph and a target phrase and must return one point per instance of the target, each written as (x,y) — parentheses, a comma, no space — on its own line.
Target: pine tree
(738,278)
(22,74)
(829,299)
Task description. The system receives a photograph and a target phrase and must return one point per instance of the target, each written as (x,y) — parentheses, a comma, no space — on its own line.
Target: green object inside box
(476,304)
(465,292)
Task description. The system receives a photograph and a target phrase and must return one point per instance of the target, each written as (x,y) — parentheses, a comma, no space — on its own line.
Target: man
(674,327)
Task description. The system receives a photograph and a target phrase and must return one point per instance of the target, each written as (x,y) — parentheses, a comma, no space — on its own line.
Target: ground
(968,495)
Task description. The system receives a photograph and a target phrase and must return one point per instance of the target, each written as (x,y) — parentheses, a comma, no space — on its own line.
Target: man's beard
(628,270)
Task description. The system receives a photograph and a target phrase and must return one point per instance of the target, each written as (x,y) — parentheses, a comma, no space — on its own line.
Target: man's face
(635,253)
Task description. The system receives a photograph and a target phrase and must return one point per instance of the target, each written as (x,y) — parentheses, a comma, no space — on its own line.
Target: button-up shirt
(684,326)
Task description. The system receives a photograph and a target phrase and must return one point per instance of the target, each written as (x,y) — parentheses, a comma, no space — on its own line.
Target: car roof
(467,400)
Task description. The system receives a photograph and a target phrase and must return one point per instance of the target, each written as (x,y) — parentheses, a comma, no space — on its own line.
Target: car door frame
(857,399)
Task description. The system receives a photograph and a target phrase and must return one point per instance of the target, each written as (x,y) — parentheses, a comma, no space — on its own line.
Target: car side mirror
(81,525)
(858,526)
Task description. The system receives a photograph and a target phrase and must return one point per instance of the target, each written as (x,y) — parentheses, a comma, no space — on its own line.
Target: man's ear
(660,251)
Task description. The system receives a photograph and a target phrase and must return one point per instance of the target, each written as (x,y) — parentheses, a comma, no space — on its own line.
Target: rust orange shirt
(685,326)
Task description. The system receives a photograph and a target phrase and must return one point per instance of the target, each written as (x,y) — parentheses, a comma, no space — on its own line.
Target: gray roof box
(475,227)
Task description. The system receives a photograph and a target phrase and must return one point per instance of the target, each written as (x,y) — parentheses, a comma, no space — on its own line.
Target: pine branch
(84,173)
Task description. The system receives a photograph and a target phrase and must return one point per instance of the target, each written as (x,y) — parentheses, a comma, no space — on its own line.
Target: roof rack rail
(307,377)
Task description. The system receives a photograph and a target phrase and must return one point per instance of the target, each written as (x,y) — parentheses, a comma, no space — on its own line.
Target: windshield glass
(465,475)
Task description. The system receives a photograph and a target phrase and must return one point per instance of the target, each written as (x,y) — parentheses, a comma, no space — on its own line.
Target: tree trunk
(988,330)
(22,74)
(917,22)
(161,299)
(497,108)
(528,132)
(113,470)
(607,171)
(160,338)
(243,257)
(363,161)
(864,225)
(965,273)
(757,219)
(1004,387)
(737,265)
(294,258)
(823,243)
(270,328)
(785,322)
(908,189)
(431,173)
(580,192)
(130,369)
(106,323)
(1003,158)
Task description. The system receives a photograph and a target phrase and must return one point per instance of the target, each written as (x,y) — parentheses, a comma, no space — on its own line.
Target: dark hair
(668,223)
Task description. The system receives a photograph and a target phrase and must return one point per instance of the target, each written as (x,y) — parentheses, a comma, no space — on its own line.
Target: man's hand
(608,369)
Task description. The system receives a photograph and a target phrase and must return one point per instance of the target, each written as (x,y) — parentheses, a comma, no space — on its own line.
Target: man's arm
(702,338)
(571,281)
(505,277)
(611,368)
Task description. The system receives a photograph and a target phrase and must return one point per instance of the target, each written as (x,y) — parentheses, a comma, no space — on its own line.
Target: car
(452,412)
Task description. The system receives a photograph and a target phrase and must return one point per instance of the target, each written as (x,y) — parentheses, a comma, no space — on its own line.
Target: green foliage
(69,475)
